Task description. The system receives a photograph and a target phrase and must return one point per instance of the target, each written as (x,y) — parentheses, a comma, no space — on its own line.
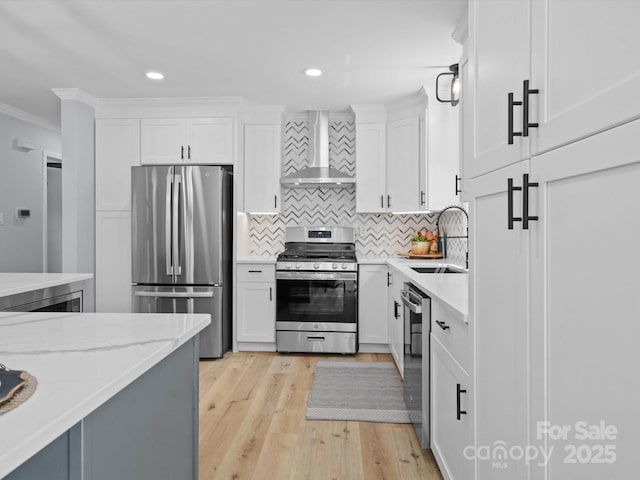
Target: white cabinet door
(396,321)
(451,415)
(500,321)
(586,66)
(262,153)
(499,63)
(210,140)
(403,165)
(370,168)
(163,140)
(113,262)
(256,312)
(585,314)
(117,150)
(373,320)
(441,141)
(176,140)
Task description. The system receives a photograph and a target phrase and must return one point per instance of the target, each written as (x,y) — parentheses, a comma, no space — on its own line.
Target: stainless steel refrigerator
(182,245)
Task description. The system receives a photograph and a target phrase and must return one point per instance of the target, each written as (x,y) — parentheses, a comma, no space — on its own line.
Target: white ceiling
(372,51)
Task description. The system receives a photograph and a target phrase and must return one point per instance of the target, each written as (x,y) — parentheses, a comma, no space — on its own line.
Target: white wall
(21,187)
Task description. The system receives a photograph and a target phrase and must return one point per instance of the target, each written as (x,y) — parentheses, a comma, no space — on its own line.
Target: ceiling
(371,51)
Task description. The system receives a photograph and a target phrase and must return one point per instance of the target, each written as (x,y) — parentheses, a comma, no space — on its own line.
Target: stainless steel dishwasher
(417,320)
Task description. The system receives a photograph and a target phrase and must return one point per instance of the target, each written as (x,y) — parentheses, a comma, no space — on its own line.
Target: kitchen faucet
(456,207)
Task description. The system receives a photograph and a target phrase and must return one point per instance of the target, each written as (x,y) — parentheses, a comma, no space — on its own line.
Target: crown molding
(29,118)
(263,114)
(461,30)
(159,107)
(75,94)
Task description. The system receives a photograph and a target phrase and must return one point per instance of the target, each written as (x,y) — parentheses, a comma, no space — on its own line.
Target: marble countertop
(14,283)
(449,288)
(80,360)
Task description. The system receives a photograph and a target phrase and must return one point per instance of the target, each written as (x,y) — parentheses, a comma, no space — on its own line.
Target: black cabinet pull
(395,309)
(388,201)
(423,198)
(381,201)
(459,412)
(510,132)
(389,282)
(458,181)
(181,152)
(526,185)
(255,271)
(526,125)
(271,294)
(189,152)
(275,201)
(442,325)
(510,217)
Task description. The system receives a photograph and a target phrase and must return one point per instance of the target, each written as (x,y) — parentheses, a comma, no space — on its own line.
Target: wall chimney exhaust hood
(318,173)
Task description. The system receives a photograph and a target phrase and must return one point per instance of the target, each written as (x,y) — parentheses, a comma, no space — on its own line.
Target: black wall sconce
(454,88)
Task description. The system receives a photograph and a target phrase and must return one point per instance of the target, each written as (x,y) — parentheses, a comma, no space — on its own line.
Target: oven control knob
(288,265)
(298,265)
(344,266)
(316,266)
(334,266)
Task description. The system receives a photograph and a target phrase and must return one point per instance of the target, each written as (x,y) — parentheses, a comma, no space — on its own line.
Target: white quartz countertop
(14,283)
(80,360)
(256,260)
(449,288)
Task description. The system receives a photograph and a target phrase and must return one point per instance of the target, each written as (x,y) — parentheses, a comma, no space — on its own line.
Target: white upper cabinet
(498,65)
(262,167)
(403,165)
(117,150)
(175,140)
(586,66)
(371,175)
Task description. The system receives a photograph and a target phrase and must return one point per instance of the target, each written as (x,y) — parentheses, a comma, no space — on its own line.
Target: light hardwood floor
(253,426)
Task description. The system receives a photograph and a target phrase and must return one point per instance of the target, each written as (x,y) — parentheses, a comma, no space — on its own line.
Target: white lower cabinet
(451,418)
(373,321)
(256,306)
(396,319)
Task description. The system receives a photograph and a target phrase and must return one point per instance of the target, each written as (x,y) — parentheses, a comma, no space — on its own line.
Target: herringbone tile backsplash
(377,235)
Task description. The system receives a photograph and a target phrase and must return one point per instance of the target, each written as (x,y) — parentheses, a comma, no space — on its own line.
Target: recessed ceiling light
(313,72)
(155,75)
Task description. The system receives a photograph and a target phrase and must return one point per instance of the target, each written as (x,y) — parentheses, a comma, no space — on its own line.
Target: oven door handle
(316,276)
(406,300)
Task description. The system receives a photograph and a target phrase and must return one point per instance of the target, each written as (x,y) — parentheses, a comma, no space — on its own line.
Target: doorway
(52,212)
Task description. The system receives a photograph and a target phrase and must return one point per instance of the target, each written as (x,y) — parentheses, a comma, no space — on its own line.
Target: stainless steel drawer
(318,342)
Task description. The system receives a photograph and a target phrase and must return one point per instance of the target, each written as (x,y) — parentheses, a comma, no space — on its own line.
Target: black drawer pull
(189,152)
(255,271)
(459,412)
(510,217)
(395,309)
(181,152)
(458,180)
(526,125)
(510,132)
(526,185)
(315,339)
(443,325)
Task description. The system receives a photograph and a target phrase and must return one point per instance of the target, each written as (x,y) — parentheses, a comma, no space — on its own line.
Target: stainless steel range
(317,291)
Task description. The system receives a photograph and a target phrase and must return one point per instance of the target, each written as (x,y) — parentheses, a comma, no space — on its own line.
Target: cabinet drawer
(452,332)
(258,272)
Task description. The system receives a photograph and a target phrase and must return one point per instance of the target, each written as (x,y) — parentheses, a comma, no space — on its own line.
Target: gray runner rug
(359,391)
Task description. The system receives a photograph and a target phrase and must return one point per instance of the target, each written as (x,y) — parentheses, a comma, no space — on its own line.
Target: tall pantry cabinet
(553,170)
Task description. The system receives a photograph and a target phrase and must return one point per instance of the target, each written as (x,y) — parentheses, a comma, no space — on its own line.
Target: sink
(435,270)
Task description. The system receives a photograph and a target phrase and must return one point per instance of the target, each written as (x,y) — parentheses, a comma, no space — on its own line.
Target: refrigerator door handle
(177,269)
(168,225)
(174,294)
